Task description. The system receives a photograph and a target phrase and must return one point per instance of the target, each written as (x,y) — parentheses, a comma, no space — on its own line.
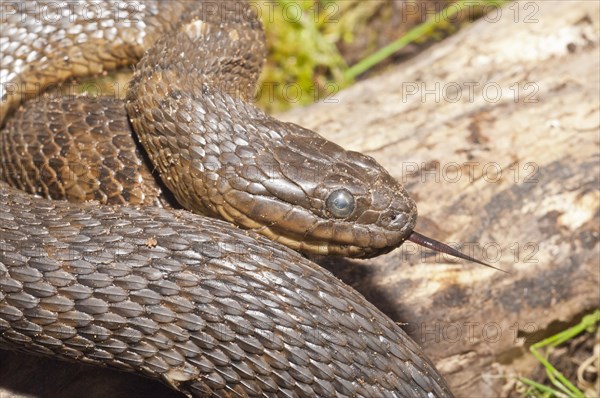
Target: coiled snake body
(210,309)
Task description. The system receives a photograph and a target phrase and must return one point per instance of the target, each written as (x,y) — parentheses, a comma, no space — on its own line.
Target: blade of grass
(540,387)
(413,35)
(557,378)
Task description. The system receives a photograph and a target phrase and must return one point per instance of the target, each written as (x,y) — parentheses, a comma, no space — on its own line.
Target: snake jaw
(320,247)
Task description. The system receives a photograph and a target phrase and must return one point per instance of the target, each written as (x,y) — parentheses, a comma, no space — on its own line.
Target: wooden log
(495,134)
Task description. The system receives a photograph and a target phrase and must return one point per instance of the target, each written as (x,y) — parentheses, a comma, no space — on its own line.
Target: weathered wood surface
(539,220)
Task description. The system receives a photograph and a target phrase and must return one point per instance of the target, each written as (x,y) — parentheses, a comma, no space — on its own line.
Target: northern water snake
(208,308)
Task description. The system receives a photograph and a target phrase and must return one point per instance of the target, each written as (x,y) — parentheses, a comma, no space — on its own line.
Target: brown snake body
(208,308)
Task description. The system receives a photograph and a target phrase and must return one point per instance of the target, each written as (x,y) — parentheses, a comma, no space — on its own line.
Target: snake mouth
(321,248)
(373,243)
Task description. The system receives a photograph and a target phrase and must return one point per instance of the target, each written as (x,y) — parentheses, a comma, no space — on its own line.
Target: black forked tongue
(443,248)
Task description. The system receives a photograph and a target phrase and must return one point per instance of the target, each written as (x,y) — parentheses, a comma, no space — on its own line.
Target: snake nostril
(392,216)
(397,219)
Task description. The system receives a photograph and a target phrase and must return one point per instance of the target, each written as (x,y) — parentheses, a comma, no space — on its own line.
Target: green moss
(303,64)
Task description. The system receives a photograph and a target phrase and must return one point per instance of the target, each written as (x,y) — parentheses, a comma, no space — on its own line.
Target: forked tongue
(433,244)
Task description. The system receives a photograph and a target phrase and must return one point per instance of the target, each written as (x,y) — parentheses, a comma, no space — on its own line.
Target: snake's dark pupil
(340,203)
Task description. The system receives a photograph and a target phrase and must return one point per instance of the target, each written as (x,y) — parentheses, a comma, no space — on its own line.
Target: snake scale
(126,281)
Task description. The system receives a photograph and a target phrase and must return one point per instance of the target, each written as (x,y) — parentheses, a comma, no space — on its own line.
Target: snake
(220,301)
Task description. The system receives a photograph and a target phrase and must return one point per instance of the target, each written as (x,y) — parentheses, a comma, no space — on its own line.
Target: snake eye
(340,203)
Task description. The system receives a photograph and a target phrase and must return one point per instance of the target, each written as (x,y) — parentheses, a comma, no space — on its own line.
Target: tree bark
(495,133)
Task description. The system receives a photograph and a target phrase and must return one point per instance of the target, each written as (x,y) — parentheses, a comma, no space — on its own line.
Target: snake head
(316,197)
